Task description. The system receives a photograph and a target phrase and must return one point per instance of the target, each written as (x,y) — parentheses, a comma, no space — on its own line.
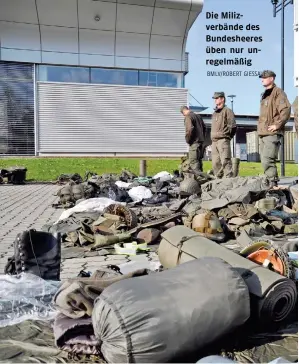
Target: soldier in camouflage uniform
(222,131)
(275,111)
(195,131)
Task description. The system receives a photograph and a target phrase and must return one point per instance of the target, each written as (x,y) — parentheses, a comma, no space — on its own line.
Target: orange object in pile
(261,255)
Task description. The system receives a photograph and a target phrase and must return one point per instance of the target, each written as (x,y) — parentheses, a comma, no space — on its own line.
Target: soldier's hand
(273,128)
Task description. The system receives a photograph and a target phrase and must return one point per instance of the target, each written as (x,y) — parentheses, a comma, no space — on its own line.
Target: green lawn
(48,169)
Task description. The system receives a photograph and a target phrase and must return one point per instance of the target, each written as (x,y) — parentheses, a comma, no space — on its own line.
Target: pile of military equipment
(226,250)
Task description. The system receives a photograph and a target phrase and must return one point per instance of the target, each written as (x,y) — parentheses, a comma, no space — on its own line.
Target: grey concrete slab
(23,207)
(30,207)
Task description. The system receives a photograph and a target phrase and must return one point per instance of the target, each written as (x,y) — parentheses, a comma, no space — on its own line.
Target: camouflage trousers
(222,158)
(269,148)
(196,154)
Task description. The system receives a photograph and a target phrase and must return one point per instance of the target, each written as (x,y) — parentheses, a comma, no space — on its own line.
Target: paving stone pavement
(30,207)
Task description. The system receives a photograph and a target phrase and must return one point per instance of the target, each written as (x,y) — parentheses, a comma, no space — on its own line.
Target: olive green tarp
(33,342)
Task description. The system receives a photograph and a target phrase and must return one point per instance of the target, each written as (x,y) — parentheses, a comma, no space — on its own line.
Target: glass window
(147,78)
(12,70)
(63,74)
(16,109)
(114,76)
(109,76)
(159,79)
(167,80)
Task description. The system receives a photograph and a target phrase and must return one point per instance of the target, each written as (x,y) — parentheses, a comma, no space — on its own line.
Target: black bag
(38,253)
(14,175)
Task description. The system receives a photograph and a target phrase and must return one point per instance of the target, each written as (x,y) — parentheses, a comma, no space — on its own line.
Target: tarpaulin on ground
(33,341)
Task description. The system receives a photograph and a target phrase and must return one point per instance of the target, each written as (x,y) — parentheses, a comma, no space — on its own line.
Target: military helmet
(189,186)
(263,252)
(208,225)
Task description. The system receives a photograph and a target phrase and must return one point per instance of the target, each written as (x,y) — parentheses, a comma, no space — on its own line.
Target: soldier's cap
(218,94)
(184,107)
(266,74)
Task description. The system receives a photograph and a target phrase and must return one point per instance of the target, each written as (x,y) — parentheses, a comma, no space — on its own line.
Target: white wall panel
(296,43)
(152,29)
(23,11)
(174,4)
(165,65)
(192,17)
(137,19)
(170,22)
(20,36)
(166,47)
(59,39)
(20,55)
(97,41)
(89,9)
(86,119)
(66,16)
(130,44)
(197,5)
(132,62)
(93,60)
(138,2)
(60,58)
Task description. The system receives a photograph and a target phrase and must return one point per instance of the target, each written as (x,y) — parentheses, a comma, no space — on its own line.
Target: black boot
(38,253)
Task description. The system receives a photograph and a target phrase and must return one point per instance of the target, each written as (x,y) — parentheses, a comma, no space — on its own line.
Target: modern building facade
(88,77)
(296,42)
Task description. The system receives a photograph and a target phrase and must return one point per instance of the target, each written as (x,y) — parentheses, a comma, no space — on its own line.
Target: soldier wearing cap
(195,131)
(275,111)
(223,130)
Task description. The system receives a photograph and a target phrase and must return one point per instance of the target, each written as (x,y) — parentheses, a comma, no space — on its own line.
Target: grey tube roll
(162,317)
(273,296)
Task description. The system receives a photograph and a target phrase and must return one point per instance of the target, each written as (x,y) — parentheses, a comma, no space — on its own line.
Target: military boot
(38,253)
(15,175)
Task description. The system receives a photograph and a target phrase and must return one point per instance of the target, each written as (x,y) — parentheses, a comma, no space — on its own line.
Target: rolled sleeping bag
(164,316)
(273,297)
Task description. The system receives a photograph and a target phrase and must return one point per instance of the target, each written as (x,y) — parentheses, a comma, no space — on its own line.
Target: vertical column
(142,168)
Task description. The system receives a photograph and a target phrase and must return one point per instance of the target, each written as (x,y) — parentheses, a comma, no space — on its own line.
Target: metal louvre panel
(16,109)
(296,42)
(99,119)
(289,146)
